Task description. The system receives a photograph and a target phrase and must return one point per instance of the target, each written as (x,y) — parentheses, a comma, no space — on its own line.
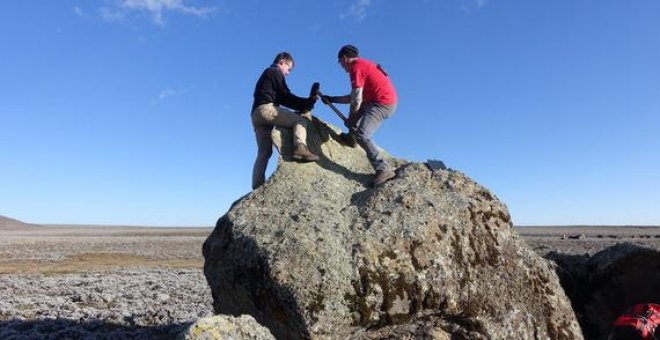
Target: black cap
(349,51)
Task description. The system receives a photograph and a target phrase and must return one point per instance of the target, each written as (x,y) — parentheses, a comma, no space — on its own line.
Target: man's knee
(301,121)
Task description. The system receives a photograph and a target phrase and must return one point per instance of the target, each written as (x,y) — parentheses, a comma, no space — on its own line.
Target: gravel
(139,303)
(101,283)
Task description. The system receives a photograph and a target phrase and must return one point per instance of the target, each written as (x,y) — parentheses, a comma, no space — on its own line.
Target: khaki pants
(264,117)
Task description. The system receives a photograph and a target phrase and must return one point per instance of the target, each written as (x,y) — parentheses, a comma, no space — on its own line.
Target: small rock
(244,327)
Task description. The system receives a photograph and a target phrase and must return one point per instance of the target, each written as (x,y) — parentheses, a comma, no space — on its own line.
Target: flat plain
(70,249)
(101,282)
(64,281)
(579,240)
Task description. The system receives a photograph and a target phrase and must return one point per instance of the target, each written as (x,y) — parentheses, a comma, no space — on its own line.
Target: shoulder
(357,65)
(362,65)
(273,72)
(363,62)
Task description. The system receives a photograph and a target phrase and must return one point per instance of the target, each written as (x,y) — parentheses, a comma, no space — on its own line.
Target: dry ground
(65,249)
(587,239)
(108,282)
(128,282)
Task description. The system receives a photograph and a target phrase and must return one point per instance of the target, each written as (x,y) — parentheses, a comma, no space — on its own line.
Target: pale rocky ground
(114,283)
(83,282)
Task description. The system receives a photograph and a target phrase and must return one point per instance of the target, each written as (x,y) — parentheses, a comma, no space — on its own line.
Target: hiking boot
(302,154)
(383,176)
(347,139)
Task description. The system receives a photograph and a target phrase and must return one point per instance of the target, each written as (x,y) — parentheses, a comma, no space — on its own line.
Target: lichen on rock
(220,327)
(317,253)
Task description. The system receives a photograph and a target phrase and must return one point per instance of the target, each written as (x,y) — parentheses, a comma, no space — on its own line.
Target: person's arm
(358,81)
(355,99)
(356,102)
(337,99)
(286,98)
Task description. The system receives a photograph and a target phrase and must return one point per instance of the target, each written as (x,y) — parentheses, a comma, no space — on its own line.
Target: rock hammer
(347,138)
(332,106)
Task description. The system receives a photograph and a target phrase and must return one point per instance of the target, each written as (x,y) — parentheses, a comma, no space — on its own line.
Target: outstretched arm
(337,99)
(355,99)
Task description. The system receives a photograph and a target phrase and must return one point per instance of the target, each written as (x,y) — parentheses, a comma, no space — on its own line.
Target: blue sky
(137,111)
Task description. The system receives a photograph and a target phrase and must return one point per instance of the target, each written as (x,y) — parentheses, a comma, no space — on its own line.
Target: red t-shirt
(376,86)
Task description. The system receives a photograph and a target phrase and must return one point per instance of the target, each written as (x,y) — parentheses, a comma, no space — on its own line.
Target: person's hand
(348,123)
(326,100)
(309,104)
(351,121)
(314,90)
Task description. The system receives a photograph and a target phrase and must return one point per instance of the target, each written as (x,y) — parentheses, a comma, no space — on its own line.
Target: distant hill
(7,223)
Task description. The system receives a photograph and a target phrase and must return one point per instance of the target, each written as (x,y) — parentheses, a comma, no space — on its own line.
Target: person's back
(271,88)
(377,85)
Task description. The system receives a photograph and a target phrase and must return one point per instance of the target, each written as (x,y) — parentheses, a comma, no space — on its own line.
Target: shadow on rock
(94,329)
(573,275)
(325,132)
(323,140)
(360,197)
(239,276)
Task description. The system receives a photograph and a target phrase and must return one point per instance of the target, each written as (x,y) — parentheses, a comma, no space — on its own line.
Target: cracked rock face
(316,253)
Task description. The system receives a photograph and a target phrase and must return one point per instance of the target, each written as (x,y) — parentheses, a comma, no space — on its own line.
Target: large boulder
(317,253)
(603,286)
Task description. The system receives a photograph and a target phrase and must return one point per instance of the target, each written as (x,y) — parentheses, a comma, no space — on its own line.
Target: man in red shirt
(373,99)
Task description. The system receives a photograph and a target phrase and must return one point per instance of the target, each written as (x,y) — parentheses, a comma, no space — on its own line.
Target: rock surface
(317,253)
(603,286)
(244,327)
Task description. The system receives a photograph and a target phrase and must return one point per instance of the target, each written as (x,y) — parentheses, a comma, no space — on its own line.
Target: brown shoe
(302,154)
(383,176)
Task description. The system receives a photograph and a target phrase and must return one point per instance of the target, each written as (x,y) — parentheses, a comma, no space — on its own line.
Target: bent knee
(302,122)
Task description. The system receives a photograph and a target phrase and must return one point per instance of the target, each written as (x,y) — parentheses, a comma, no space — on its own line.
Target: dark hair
(283,56)
(349,51)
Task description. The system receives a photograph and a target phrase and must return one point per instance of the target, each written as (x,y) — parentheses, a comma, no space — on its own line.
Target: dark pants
(372,115)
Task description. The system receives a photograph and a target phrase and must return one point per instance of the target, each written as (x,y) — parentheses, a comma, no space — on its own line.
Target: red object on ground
(644,318)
